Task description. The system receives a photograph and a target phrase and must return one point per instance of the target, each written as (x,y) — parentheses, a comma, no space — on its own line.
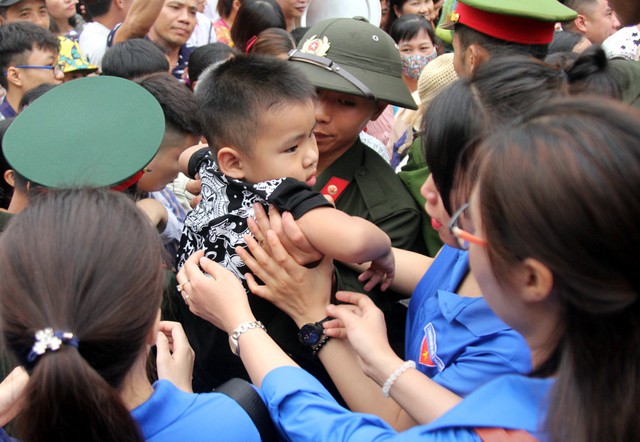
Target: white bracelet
(395,375)
(244,327)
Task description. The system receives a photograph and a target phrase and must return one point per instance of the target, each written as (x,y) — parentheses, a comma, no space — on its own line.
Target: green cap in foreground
(352,56)
(90,132)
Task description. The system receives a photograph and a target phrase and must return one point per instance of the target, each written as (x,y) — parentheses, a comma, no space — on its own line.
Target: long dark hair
(500,90)
(87,262)
(560,187)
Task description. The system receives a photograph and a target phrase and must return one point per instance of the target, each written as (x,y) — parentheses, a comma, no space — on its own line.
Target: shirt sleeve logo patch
(429,349)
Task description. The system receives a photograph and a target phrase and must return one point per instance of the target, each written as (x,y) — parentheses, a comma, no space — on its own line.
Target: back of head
(207,55)
(565,41)
(17,40)
(233,97)
(501,90)
(106,293)
(555,188)
(273,41)
(590,74)
(177,101)
(508,27)
(134,58)
(97,8)
(254,16)
(509,86)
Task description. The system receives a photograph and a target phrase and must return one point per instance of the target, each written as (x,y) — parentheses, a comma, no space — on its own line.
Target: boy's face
(163,168)
(340,119)
(31,77)
(34,11)
(285,146)
(176,22)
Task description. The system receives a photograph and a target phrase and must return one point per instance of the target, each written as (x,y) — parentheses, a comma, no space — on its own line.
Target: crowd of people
(217,223)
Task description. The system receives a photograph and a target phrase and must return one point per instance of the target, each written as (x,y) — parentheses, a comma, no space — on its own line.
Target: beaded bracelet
(395,375)
(319,345)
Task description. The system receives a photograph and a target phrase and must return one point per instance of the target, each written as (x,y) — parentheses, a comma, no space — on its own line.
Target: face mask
(412,65)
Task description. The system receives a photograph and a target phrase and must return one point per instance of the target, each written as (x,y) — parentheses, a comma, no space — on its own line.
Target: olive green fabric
(365,51)
(94,131)
(413,175)
(375,193)
(627,74)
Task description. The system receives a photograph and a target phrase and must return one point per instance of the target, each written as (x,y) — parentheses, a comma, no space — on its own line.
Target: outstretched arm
(362,323)
(350,239)
(139,20)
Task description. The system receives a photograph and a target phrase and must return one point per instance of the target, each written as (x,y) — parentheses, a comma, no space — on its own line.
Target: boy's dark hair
(97,7)
(233,97)
(205,56)
(17,40)
(177,101)
(134,58)
(495,46)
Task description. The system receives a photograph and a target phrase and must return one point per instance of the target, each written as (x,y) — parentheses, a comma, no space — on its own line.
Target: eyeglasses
(332,66)
(56,68)
(462,236)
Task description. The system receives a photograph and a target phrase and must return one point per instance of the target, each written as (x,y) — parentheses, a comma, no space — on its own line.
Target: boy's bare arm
(183,160)
(344,237)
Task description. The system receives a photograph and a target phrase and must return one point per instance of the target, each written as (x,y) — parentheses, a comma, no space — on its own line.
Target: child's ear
(230,162)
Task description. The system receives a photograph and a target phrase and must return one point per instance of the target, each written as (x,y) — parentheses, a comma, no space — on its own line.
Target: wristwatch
(311,334)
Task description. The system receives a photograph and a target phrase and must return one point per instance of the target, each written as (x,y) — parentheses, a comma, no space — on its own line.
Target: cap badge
(454,17)
(316,46)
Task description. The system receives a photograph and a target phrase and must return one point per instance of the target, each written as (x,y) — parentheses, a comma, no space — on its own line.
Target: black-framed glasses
(463,237)
(56,68)
(332,66)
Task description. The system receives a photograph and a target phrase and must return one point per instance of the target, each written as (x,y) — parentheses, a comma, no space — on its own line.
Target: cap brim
(109,129)
(387,88)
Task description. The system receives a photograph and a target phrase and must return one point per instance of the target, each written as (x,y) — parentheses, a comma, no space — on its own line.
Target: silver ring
(180,287)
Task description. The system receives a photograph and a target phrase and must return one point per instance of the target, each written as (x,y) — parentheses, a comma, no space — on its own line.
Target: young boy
(28,58)
(258,117)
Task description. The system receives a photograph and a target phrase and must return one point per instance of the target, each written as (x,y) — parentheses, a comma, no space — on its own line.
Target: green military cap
(517,21)
(94,131)
(352,56)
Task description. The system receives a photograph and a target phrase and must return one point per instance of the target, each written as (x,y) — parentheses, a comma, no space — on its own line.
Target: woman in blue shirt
(82,279)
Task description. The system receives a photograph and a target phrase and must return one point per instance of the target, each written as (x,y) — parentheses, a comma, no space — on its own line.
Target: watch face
(310,334)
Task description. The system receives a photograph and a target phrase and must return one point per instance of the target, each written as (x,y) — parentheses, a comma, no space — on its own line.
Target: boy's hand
(381,270)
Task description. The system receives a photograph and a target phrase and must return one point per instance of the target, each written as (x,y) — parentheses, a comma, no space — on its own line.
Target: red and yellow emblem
(425,358)
(316,46)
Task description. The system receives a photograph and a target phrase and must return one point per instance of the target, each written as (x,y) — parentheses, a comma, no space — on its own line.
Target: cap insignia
(316,46)
(454,17)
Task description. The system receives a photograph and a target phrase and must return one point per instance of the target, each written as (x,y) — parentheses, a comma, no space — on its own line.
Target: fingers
(193,187)
(359,299)
(162,346)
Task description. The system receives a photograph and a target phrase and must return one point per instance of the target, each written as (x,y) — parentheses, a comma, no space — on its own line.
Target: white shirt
(93,42)
(203,33)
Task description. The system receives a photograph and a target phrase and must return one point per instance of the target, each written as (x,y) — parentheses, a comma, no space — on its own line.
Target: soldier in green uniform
(357,71)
